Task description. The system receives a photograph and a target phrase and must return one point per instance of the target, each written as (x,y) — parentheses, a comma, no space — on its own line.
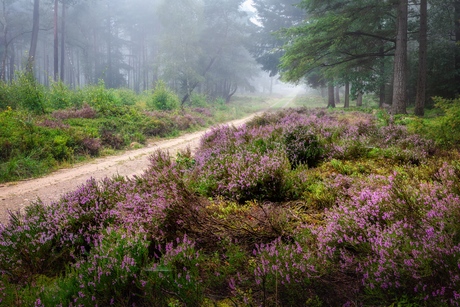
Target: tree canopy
(362,42)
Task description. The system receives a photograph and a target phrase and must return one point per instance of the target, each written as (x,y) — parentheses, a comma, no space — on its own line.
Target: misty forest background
(349,197)
(210,46)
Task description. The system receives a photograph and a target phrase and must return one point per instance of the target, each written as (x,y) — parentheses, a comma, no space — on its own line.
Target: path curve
(16,196)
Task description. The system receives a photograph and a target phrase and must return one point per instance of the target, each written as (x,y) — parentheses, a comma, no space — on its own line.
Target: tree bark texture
(422,58)
(346,103)
(56,42)
(330,92)
(34,40)
(359,100)
(337,95)
(400,61)
(457,44)
(63,42)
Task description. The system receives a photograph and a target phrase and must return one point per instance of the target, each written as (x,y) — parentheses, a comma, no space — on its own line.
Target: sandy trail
(15,196)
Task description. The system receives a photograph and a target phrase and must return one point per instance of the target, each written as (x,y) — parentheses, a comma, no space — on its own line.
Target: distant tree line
(405,51)
(193,45)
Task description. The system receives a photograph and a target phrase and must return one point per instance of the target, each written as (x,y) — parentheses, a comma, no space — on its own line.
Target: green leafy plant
(163,98)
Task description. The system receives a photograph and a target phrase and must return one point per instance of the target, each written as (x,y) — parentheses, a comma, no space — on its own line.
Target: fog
(215,47)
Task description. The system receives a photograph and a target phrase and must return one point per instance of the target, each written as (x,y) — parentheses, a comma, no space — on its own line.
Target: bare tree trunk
(422,58)
(382,96)
(337,95)
(359,100)
(56,42)
(5,42)
(347,95)
(400,61)
(193,86)
(382,81)
(11,65)
(34,40)
(109,76)
(330,95)
(457,44)
(63,42)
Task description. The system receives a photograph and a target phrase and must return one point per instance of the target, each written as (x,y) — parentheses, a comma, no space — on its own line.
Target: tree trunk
(34,40)
(330,95)
(347,95)
(359,100)
(422,58)
(63,42)
(382,96)
(457,44)
(337,95)
(400,61)
(56,43)
(108,74)
(193,86)
(11,64)
(5,42)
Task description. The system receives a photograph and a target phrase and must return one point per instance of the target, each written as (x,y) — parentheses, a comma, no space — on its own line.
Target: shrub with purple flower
(374,222)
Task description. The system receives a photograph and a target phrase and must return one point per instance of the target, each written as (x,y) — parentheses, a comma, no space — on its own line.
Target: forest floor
(16,196)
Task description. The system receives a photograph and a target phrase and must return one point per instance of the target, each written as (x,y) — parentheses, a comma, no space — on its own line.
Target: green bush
(24,92)
(59,96)
(126,96)
(163,98)
(198,100)
(445,129)
(105,101)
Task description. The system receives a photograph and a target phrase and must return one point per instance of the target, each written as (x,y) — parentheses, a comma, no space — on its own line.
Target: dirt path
(15,196)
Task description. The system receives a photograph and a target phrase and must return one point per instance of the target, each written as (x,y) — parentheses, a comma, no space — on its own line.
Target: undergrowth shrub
(108,275)
(163,98)
(284,273)
(24,93)
(104,101)
(178,274)
(363,227)
(302,147)
(239,164)
(59,96)
(444,129)
(26,248)
(86,111)
(368,233)
(126,96)
(198,100)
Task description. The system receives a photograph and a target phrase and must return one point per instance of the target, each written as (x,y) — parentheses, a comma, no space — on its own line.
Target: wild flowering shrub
(345,236)
(177,274)
(241,164)
(302,146)
(398,241)
(86,111)
(26,247)
(107,276)
(284,270)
